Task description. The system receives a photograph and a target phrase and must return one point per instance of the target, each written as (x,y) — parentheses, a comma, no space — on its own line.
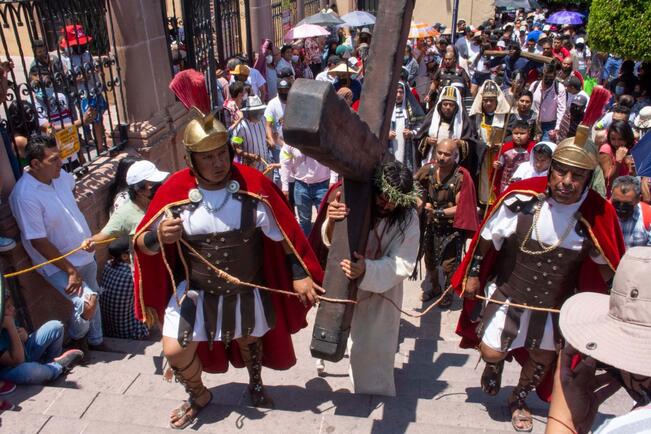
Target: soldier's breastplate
(543,280)
(237,252)
(443,195)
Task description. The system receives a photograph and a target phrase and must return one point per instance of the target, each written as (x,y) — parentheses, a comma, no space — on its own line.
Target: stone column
(300,10)
(153,114)
(261,23)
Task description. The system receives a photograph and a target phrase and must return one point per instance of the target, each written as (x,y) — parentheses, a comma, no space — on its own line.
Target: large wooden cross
(322,126)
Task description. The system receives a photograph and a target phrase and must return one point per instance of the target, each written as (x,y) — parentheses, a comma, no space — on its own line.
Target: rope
(43,264)
(521,306)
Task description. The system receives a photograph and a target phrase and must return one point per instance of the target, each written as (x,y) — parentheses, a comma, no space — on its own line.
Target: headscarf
(457,121)
(502,105)
(528,170)
(261,62)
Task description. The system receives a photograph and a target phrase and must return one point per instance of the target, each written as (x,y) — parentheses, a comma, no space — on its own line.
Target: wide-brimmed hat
(643,119)
(343,68)
(73,35)
(252,104)
(615,329)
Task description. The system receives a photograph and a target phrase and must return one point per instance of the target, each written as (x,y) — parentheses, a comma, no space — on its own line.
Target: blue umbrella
(565,17)
(358,19)
(642,155)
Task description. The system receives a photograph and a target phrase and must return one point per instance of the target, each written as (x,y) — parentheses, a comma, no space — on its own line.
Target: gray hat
(615,329)
(252,104)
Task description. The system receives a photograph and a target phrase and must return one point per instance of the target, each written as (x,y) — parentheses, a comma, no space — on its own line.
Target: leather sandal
(187,413)
(520,414)
(491,378)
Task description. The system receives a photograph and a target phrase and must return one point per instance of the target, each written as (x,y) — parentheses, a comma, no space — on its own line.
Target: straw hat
(615,329)
(343,69)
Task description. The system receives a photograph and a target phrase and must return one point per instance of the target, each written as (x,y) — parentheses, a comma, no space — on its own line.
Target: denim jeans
(307,196)
(275,152)
(78,326)
(41,348)
(546,127)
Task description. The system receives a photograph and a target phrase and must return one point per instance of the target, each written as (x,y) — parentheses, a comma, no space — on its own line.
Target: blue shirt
(635,234)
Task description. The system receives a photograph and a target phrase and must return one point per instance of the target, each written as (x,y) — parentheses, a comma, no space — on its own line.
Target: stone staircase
(437,385)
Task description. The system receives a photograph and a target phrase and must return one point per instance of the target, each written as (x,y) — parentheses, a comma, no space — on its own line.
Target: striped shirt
(251,137)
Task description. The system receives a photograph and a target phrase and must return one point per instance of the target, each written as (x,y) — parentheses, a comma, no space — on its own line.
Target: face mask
(619,90)
(49,93)
(269,58)
(405,60)
(624,210)
(548,82)
(282,96)
(295,58)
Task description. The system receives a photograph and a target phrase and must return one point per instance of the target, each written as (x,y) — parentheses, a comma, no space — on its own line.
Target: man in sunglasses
(544,239)
(634,215)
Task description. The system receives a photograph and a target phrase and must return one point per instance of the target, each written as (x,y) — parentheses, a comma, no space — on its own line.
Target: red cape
(153,288)
(602,223)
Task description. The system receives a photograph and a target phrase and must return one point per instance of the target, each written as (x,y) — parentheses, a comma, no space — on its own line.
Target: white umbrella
(306,31)
(359,19)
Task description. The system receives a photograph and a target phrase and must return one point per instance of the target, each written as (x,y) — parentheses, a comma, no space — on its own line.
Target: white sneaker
(6,244)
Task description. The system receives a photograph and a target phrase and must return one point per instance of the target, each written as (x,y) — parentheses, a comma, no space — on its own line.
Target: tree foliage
(621,27)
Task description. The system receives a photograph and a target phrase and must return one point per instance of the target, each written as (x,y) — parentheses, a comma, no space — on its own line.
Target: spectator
(614,155)
(117,296)
(642,122)
(522,111)
(574,88)
(411,64)
(54,113)
(274,116)
(76,60)
(249,137)
(343,74)
(612,332)
(45,62)
(624,83)
(143,179)
(634,215)
(233,106)
(539,161)
(251,77)
(325,75)
(35,358)
(558,51)
(265,64)
(51,224)
(549,100)
(301,68)
(118,191)
(313,55)
(581,56)
(23,121)
(571,119)
(285,61)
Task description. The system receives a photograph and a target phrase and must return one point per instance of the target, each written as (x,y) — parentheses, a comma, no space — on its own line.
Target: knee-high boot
(252,356)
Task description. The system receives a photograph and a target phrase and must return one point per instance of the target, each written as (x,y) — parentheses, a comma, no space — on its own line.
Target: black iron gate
(367,5)
(284,17)
(312,7)
(58,57)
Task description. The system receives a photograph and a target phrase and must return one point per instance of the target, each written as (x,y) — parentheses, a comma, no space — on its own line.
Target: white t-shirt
(274,113)
(50,211)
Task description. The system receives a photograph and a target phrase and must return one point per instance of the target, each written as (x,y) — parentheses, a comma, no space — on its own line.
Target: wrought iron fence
(62,77)
(283,16)
(312,7)
(368,5)
(204,34)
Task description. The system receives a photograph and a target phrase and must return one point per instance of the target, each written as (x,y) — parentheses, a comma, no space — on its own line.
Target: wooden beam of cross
(322,126)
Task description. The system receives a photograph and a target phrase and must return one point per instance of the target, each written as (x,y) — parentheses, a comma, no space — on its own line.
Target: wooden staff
(527,55)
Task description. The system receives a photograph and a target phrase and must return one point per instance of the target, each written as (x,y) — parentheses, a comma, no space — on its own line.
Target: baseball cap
(144,170)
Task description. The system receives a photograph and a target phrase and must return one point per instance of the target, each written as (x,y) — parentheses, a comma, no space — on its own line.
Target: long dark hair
(400,177)
(120,182)
(624,130)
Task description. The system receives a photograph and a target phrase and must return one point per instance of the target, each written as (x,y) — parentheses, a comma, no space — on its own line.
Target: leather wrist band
(475,265)
(150,239)
(298,272)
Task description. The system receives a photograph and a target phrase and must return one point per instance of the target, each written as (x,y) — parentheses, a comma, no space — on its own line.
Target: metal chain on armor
(534,226)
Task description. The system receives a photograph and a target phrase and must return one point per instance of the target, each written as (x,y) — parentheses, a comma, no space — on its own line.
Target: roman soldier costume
(206,288)
(541,252)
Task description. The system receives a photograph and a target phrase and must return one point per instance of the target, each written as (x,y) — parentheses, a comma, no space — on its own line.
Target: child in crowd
(540,159)
(512,155)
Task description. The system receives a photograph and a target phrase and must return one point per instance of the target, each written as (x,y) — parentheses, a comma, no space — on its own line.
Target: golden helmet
(572,151)
(449,93)
(204,133)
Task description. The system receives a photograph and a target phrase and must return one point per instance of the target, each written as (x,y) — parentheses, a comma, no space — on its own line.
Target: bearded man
(490,117)
(544,239)
(389,259)
(214,234)
(449,215)
(448,120)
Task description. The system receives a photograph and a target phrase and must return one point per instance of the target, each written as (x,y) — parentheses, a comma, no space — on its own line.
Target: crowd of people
(512,178)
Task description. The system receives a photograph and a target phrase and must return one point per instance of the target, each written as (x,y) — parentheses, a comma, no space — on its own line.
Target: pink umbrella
(306,31)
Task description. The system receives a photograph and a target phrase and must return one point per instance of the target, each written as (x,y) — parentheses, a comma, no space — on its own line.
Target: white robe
(376,322)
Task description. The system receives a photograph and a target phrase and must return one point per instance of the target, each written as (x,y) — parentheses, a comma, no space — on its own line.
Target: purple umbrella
(565,17)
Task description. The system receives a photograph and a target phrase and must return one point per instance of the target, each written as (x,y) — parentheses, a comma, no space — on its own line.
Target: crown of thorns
(392,194)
